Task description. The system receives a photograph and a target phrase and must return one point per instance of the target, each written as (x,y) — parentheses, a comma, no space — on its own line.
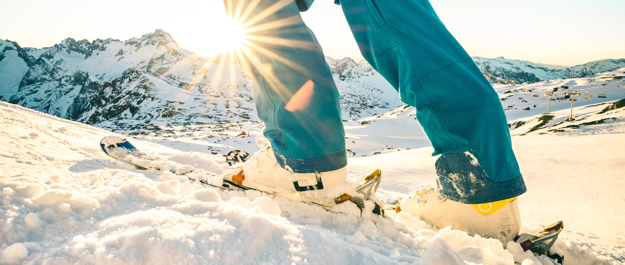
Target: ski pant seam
(274,110)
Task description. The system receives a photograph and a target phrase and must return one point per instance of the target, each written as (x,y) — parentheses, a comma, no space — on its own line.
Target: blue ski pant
(410,47)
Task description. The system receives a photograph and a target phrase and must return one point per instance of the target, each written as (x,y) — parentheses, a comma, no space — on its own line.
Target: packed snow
(65,202)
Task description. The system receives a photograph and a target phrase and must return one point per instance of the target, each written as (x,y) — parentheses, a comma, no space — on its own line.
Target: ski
(121,149)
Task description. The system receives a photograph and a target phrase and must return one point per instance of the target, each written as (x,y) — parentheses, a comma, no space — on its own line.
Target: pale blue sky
(561,32)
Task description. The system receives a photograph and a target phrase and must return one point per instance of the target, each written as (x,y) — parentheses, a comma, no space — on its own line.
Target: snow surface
(64,202)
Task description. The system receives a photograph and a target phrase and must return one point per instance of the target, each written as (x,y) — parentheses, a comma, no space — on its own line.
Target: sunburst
(246,38)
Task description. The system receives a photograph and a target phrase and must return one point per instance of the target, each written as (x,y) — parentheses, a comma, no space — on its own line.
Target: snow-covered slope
(598,101)
(65,202)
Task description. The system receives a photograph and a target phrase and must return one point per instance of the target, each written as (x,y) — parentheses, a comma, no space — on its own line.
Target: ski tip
(109,142)
(112,142)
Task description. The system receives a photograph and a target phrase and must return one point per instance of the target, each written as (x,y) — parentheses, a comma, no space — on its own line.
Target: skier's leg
(456,106)
(293,88)
(297,98)
(477,173)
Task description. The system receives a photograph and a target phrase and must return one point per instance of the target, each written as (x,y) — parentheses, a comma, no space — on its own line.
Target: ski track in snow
(65,202)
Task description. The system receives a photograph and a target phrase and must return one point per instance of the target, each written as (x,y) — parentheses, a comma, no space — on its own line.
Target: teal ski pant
(410,47)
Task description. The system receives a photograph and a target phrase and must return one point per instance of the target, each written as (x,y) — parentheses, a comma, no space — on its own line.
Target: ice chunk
(441,253)
(171,187)
(32,221)
(186,189)
(7,191)
(14,253)
(262,204)
(207,195)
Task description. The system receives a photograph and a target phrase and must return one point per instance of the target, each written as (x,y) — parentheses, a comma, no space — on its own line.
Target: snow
(32,221)
(63,201)
(14,253)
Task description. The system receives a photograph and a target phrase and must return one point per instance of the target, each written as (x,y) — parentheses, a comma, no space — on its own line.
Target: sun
(247,39)
(224,36)
(234,35)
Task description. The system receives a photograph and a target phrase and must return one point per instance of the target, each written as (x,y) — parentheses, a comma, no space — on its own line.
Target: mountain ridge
(151,80)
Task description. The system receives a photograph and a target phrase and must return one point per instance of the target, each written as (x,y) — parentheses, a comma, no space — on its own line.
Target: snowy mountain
(347,68)
(148,79)
(147,82)
(152,80)
(501,70)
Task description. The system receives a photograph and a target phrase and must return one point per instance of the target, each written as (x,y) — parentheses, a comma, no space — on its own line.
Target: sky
(557,32)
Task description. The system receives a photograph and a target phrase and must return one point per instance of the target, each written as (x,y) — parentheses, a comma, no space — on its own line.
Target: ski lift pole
(510,82)
(549,95)
(572,94)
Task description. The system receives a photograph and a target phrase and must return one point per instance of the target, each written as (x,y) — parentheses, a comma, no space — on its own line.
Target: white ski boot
(261,171)
(500,220)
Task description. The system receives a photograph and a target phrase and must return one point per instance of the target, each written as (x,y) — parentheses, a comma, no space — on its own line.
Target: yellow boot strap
(491,207)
